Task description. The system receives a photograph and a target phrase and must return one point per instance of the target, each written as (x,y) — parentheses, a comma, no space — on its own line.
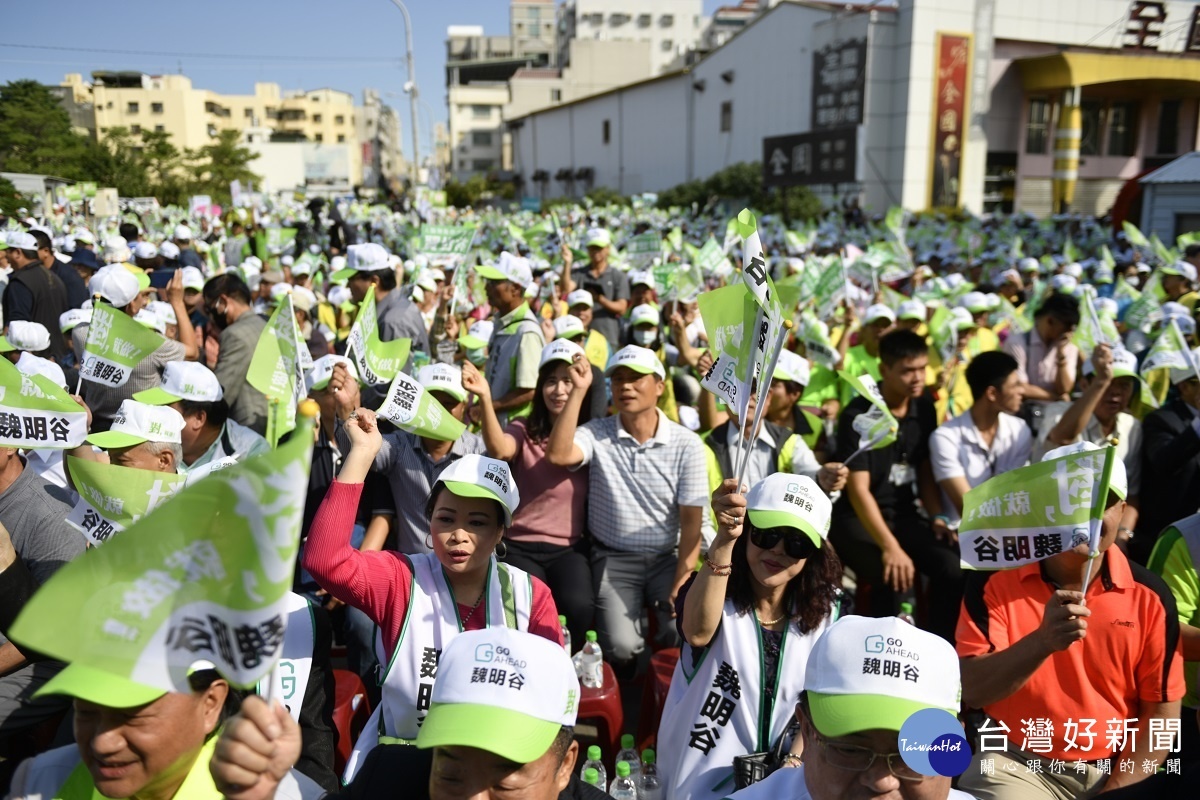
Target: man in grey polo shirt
(515,349)
(609,287)
(647,488)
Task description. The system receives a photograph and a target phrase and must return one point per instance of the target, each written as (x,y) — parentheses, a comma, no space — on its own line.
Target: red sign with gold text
(952,76)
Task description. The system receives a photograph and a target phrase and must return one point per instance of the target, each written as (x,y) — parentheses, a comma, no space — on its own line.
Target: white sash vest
(295,663)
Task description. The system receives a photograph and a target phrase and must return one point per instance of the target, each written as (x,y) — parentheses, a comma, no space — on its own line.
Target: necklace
(471,613)
(762,621)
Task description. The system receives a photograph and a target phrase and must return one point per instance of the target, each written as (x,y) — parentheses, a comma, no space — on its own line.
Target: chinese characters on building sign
(839,82)
(951,77)
(1146,20)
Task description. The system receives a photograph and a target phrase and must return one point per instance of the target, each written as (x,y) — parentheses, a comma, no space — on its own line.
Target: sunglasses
(795,544)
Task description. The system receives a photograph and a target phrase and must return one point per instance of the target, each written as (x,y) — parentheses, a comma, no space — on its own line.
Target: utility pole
(411,86)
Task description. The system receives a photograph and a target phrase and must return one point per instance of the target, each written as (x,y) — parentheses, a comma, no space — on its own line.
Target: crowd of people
(814,588)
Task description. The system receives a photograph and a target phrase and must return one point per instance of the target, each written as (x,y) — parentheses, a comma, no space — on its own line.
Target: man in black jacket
(34,293)
(502,715)
(1171,462)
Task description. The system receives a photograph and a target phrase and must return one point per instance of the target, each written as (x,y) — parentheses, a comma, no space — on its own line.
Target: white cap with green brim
(317,377)
(193,278)
(638,359)
(30,337)
(479,334)
(1029,264)
(135,423)
(641,278)
(569,327)
(877,312)
(442,378)
(183,380)
(69,320)
(517,715)
(367,257)
(560,350)
(645,314)
(911,309)
(99,687)
(1118,482)
(580,297)
(784,500)
(1124,365)
(480,476)
(975,302)
(148,319)
(961,319)
(1183,269)
(597,237)
(792,367)
(845,699)
(508,268)
(1179,375)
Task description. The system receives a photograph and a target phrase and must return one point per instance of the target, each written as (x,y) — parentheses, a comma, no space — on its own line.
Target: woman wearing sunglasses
(769,587)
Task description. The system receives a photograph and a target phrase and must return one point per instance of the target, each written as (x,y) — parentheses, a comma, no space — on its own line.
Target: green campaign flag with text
(36,413)
(1134,236)
(112,497)
(1169,351)
(115,345)
(876,427)
(817,345)
(379,361)
(1035,512)
(204,576)
(447,240)
(409,407)
(729,315)
(277,369)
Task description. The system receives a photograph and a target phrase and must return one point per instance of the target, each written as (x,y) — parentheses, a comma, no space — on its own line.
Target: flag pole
(79,376)
(1099,503)
(764,381)
(744,405)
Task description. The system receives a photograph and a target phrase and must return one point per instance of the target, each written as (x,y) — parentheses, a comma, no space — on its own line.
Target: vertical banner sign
(839,83)
(952,74)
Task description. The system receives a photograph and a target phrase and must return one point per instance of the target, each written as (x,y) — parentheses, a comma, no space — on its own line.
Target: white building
(986,85)
(673,28)
(379,137)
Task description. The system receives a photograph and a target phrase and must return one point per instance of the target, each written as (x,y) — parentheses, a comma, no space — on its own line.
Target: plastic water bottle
(593,663)
(906,613)
(630,756)
(649,785)
(592,778)
(596,767)
(623,787)
(566,634)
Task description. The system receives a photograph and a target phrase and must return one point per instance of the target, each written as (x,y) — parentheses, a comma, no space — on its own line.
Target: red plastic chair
(351,710)
(654,695)
(604,705)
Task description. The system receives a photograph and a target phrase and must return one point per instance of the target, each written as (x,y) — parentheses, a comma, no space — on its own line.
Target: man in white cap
(500,724)
(851,715)
(142,436)
(36,295)
(1026,634)
(368,269)
(1171,457)
(208,434)
(595,345)
(647,491)
(1179,283)
(227,304)
(863,358)
(188,257)
(77,292)
(118,286)
(517,340)
(609,287)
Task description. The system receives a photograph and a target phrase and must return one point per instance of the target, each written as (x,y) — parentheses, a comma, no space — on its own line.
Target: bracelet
(1123,529)
(721,570)
(791,760)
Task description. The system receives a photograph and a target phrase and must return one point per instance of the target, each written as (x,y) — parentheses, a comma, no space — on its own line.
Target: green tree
(11,199)
(36,134)
(118,161)
(218,164)
(743,182)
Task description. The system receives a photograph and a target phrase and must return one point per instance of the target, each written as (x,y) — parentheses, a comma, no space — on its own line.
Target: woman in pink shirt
(546,538)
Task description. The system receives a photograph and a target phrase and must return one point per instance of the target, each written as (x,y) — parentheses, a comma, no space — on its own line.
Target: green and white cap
(580,297)
(317,377)
(975,302)
(73,318)
(1124,365)
(560,350)
(479,334)
(481,476)
(29,337)
(784,500)
(136,422)
(508,268)
(1118,482)
(442,378)
(99,687)
(792,367)
(569,326)
(367,257)
(638,359)
(597,237)
(516,717)
(645,314)
(911,309)
(877,312)
(183,380)
(847,698)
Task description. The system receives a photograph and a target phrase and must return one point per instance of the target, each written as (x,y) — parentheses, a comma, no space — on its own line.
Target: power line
(243,56)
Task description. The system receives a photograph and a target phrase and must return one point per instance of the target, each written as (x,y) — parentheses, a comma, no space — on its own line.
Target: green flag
(409,407)
(754,267)
(1090,332)
(1035,512)
(876,427)
(1122,289)
(729,315)
(203,576)
(1135,236)
(378,361)
(644,248)
(112,497)
(830,288)
(943,330)
(1170,351)
(1143,312)
(711,258)
(815,336)
(277,369)
(36,413)
(447,240)
(115,345)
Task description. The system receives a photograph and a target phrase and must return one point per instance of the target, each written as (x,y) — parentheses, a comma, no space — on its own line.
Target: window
(1092,112)
(249,113)
(644,20)
(667,45)
(666,20)
(617,20)
(156,108)
(1037,129)
(319,137)
(159,129)
(1122,129)
(1168,127)
(317,118)
(605,132)
(339,120)
(481,112)
(556,95)
(727,116)
(131,108)
(341,138)
(481,164)
(481,138)
(135,129)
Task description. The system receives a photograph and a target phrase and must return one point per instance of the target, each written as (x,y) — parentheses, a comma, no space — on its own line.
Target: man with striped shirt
(646,493)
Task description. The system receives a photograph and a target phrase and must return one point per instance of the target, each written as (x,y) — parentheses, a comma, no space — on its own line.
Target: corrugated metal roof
(1185,169)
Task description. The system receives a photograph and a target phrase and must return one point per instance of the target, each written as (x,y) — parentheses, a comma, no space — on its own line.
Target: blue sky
(299,44)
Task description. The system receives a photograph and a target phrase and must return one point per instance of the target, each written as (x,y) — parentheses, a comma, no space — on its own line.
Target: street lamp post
(412,90)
